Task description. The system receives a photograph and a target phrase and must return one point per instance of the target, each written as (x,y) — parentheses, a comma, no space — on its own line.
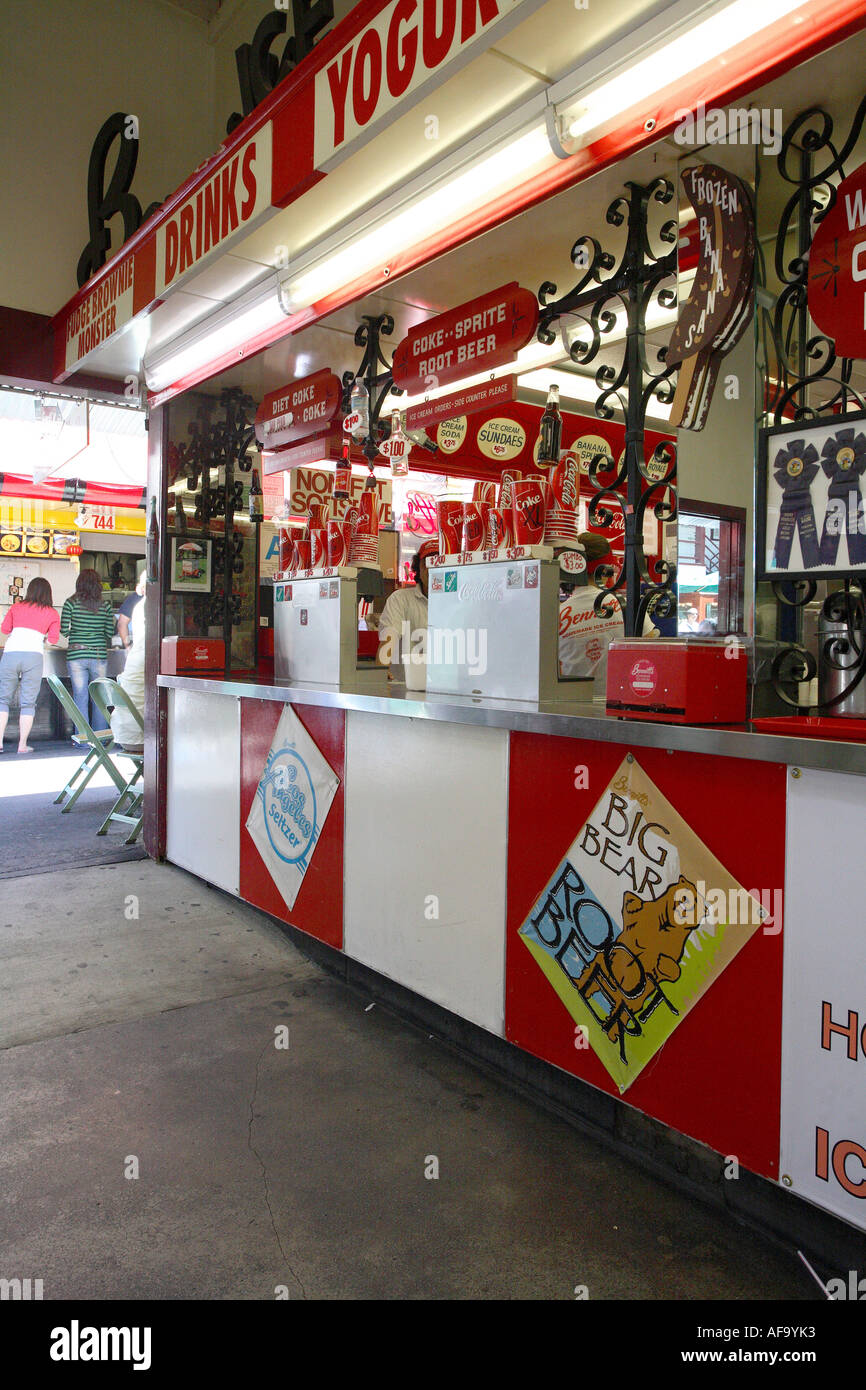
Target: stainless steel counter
(579,720)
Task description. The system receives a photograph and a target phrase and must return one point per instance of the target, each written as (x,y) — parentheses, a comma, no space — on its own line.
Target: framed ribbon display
(811,519)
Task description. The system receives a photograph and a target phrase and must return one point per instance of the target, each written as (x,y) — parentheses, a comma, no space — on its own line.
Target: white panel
(825,963)
(204,786)
(426,819)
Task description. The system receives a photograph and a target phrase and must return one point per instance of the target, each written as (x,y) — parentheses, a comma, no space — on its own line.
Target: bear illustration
(654,934)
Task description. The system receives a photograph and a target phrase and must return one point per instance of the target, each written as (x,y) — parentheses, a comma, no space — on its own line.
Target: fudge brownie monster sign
(636,923)
(291,804)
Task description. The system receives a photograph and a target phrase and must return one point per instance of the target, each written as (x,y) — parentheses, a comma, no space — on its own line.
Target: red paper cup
(530,511)
(317,512)
(319,547)
(484,492)
(474,525)
(339,542)
(500,528)
(566,482)
(292,566)
(449,514)
(506,489)
(287,545)
(303,548)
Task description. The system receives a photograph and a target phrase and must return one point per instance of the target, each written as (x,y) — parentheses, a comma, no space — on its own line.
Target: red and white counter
(475,852)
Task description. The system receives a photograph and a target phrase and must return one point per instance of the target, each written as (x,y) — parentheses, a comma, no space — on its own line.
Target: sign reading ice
(291,804)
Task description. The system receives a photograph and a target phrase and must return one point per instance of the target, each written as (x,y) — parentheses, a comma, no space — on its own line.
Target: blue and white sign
(291,804)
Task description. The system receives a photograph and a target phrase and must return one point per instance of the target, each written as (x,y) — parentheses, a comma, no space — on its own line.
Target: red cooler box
(180,656)
(678,680)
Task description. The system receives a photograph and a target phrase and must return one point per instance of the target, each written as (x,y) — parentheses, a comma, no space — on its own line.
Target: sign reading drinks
(479,336)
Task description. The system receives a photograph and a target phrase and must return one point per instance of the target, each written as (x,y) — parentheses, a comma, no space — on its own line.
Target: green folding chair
(107,695)
(98,742)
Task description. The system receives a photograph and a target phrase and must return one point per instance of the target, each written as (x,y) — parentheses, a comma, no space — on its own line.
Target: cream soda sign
(401,54)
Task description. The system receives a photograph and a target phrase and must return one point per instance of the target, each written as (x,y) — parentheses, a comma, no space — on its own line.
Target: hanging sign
(486,333)
(837,268)
(300,409)
(719,307)
(323,448)
(460,403)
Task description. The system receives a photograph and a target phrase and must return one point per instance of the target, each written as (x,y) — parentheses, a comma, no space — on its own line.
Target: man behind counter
(405,613)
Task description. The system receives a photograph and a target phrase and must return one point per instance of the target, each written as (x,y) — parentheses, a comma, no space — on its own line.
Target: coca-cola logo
(481,592)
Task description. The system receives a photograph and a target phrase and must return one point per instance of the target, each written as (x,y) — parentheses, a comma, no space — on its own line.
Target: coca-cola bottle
(257,499)
(179,516)
(152,545)
(550,434)
(343,471)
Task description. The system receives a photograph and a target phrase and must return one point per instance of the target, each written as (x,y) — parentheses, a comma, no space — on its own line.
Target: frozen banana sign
(636,923)
(291,804)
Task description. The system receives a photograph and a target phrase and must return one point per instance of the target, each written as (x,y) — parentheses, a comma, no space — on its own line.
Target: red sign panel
(300,409)
(322,449)
(837,268)
(490,393)
(479,336)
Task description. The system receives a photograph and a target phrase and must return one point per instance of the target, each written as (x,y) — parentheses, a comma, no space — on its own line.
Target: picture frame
(811,499)
(191,566)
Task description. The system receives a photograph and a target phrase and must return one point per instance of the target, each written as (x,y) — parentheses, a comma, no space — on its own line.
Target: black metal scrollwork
(810,161)
(379,384)
(632,285)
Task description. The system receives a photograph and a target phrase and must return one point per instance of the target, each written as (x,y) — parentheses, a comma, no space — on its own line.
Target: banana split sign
(298,410)
(400,55)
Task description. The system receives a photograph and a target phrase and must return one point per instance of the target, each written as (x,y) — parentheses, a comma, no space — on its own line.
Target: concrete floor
(151,1038)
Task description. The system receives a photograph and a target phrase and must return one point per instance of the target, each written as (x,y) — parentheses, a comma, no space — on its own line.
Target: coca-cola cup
(317,512)
(484,492)
(303,548)
(566,482)
(319,546)
(365,537)
(339,541)
(449,514)
(499,528)
(292,566)
(474,525)
(287,544)
(530,511)
(506,489)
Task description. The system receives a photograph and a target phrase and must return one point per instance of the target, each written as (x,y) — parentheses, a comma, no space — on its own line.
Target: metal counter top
(582,719)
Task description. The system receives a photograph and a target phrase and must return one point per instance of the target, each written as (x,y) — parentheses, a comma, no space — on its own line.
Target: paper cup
(319,546)
(318,515)
(303,548)
(530,511)
(449,514)
(474,525)
(506,489)
(500,528)
(339,542)
(287,546)
(566,482)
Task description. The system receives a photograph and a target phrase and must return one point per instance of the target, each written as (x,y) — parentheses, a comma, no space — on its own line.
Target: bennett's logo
(397,53)
(76,1343)
(238,191)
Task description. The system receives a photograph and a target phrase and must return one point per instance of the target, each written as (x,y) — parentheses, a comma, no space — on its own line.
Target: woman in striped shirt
(88,621)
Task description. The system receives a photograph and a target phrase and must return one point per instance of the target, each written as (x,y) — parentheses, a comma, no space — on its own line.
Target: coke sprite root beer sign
(479,336)
(636,923)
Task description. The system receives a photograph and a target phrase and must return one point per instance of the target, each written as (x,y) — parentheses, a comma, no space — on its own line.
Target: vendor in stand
(405,616)
(584,634)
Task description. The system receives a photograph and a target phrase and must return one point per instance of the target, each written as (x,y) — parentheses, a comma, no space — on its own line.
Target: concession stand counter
(653,922)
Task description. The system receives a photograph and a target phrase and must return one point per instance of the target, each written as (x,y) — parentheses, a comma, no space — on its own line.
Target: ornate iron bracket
(634,282)
(379,384)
